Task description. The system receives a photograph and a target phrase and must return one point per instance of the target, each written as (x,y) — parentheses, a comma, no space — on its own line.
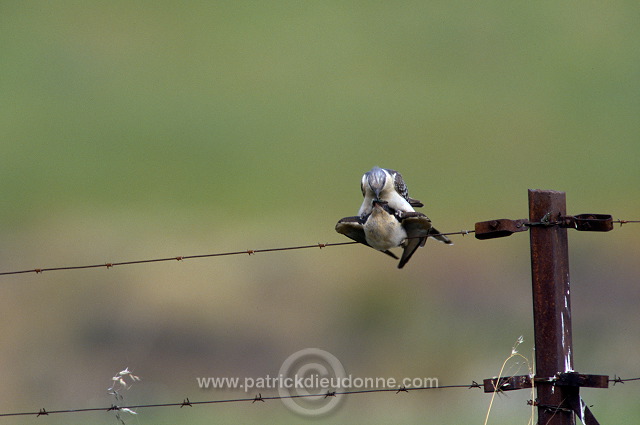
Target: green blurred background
(134,130)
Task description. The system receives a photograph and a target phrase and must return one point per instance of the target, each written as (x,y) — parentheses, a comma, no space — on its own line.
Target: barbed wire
(617,380)
(260,398)
(621,222)
(189,257)
(222,254)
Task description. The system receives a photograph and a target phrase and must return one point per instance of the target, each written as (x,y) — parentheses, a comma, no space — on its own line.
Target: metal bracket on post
(588,222)
(503,227)
(507,383)
(499,228)
(572,381)
(569,379)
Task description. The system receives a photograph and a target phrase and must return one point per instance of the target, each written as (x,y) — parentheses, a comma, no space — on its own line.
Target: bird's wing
(437,236)
(401,187)
(414,202)
(352,228)
(417,226)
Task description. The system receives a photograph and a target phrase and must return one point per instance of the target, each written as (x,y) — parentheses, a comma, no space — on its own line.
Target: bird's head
(376,179)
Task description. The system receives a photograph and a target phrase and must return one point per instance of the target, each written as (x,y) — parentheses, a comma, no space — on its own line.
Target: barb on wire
(621,222)
(402,389)
(250,252)
(257,397)
(618,380)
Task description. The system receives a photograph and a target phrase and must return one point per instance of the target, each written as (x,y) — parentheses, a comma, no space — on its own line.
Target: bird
(385,228)
(387,185)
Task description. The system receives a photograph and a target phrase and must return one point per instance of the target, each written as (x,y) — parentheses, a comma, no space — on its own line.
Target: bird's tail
(435,234)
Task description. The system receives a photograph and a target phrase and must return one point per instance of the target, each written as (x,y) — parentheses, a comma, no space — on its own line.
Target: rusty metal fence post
(557,384)
(551,304)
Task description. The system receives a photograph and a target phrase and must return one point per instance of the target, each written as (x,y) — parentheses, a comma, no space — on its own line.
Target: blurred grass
(138,130)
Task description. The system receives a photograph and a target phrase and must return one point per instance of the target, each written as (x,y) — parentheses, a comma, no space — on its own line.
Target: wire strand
(187,403)
(222,254)
(189,257)
(258,397)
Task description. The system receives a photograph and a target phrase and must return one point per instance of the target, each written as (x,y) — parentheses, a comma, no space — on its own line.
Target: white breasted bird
(385,228)
(387,185)
(387,218)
